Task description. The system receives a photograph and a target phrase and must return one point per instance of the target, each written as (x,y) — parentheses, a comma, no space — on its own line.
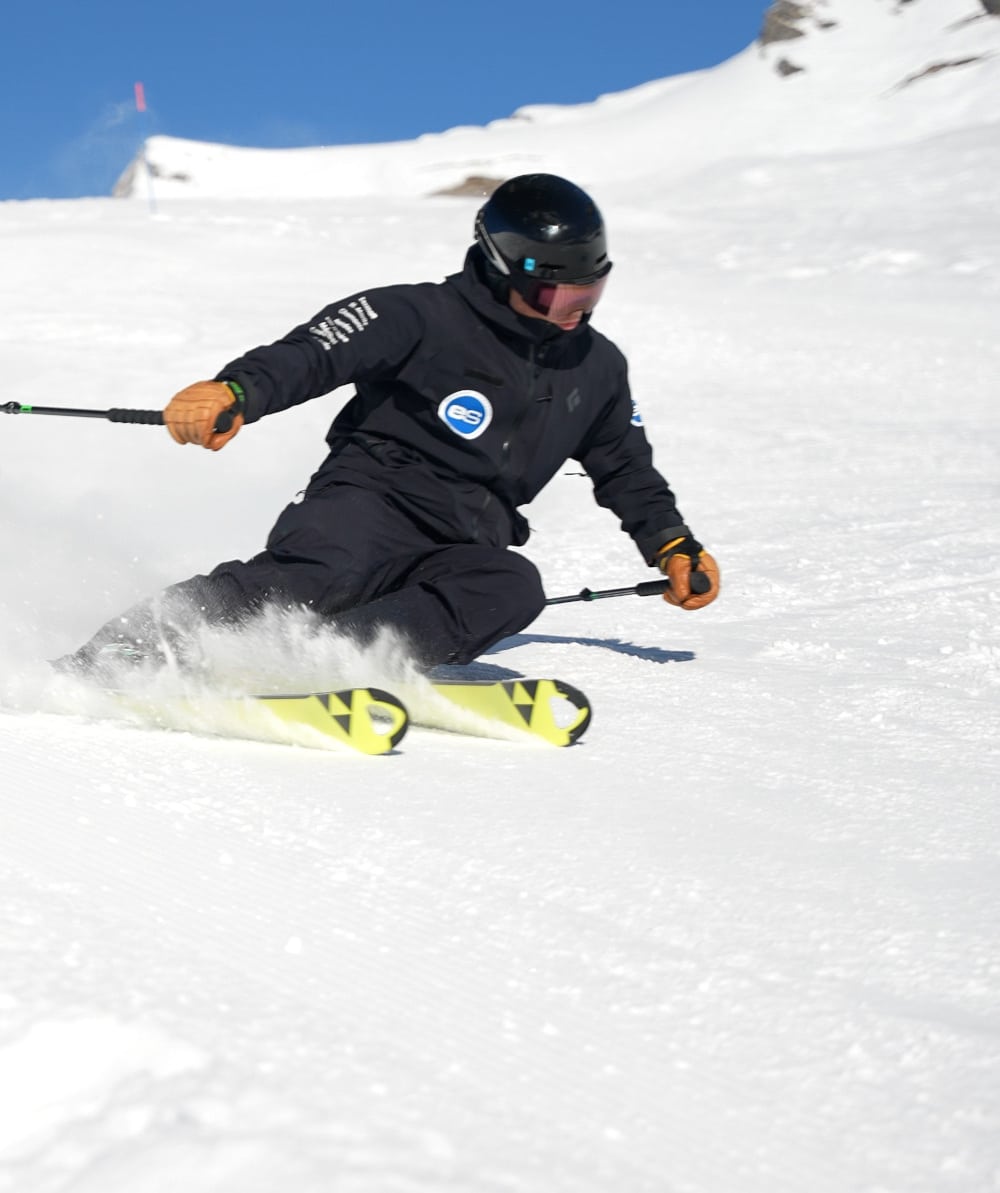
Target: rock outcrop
(783,21)
(787,20)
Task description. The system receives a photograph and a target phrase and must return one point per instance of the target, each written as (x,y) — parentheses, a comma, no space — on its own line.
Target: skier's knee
(524,588)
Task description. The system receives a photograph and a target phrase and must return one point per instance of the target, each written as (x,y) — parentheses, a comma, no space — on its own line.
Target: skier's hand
(191,415)
(692,572)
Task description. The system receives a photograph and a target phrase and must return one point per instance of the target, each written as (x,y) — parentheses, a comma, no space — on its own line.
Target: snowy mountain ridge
(846,75)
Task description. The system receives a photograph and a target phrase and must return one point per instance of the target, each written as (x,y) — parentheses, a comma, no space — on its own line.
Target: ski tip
(585,713)
(561,713)
(388,718)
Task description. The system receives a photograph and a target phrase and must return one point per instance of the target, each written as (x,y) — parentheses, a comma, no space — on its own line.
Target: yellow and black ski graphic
(549,709)
(368,719)
(374,721)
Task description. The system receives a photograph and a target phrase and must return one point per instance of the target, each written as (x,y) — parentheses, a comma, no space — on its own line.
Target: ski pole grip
(225,420)
(154,418)
(700,584)
(652,587)
(149,418)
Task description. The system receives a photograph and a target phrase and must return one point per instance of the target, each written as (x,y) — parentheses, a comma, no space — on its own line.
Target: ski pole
(700,583)
(149,418)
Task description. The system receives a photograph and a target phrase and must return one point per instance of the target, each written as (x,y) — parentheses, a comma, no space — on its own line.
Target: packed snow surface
(744,937)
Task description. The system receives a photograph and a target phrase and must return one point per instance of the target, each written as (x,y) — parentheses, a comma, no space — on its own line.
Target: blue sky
(291,73)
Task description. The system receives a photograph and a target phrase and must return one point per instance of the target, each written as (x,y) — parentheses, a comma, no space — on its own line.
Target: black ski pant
(350,556)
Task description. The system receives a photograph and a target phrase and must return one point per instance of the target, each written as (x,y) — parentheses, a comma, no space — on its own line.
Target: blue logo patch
(636,416)
(467,413)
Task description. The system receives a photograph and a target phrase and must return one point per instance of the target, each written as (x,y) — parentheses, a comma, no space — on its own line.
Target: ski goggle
(559,301)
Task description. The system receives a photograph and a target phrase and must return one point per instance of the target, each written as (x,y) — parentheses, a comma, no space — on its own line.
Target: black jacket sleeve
(619,460)
(365,336)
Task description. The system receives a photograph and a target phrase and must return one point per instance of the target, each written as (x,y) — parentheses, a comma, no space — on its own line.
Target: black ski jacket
(464,410)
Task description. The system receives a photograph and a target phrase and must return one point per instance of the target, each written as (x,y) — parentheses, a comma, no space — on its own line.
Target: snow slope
(743,937)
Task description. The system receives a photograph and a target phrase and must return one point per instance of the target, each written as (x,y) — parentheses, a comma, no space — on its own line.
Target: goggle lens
(560,301)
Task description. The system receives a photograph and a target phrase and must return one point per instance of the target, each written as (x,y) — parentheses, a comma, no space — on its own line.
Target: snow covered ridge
(826,75)
(788,20)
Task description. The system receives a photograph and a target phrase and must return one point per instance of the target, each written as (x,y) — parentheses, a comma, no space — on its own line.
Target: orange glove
(692,572)
(192,415)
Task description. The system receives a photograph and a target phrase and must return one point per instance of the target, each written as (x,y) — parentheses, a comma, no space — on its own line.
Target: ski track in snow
(743,937)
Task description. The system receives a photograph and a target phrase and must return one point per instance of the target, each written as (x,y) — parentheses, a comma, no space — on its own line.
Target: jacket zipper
(535,365)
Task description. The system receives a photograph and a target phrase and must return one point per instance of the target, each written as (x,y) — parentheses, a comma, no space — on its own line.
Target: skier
(470,395)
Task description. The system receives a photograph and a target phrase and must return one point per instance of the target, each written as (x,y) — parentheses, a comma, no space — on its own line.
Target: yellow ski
(368,719)
(548,709)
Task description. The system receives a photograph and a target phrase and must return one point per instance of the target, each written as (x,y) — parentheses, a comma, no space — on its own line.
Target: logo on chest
(467,412)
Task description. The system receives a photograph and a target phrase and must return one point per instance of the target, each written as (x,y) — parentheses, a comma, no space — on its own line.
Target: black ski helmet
(539,227)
